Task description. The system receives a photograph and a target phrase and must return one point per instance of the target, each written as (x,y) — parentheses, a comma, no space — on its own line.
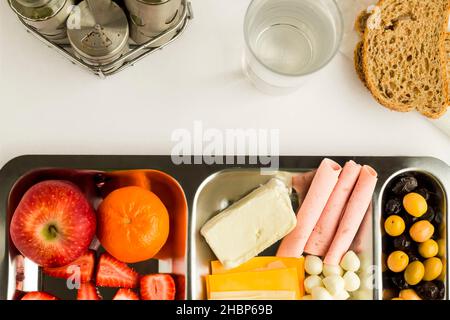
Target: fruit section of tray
(318,228)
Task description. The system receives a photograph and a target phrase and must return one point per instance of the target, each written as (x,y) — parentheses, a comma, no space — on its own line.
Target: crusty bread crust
(361,21)
(431,104)
(358,62)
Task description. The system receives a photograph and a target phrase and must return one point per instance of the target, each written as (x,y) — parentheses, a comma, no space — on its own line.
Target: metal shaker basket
(130,58)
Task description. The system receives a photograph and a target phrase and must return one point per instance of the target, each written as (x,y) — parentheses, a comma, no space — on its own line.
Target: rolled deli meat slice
(325,229)
(318,194)
(301,183)
(363,239)
(353,215)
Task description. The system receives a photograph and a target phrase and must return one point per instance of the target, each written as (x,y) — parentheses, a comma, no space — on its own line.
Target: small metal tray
(224,187)
(19,274)
(433,178)
(134,55)
(206,187)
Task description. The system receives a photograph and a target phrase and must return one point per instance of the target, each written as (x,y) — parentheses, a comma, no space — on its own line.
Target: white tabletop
(48,105)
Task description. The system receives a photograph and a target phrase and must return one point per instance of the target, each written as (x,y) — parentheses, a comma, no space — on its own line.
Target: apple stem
(50,232)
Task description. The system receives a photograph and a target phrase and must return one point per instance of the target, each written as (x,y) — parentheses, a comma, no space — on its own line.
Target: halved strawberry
(85,263)
(125,294)
(114,273)
(180,286)
(88,291)
(157,287)
(38,295)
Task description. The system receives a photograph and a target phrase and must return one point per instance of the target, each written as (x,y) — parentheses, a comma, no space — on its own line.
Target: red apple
(53,224)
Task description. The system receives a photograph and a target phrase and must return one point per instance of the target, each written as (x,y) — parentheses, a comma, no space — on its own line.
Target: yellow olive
(441,244)
(397,261)
(421,231)
(414,273)
(433,269)
(415,204)
(409,294)
(443,275)
(394,226)
(389,294)
(428,248)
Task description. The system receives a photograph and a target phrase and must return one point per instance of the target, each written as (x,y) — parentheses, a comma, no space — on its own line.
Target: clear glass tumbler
(286,40)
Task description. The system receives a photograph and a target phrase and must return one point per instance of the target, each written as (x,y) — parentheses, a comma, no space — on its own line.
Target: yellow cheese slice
(264,264)
(270,285)
(253,295)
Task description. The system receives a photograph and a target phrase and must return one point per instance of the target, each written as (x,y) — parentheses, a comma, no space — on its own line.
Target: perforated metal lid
(98,30)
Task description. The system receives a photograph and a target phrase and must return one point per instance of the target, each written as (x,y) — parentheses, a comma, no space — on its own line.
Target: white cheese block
(251,224)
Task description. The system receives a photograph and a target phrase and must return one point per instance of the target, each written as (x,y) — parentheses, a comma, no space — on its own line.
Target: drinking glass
(287,40)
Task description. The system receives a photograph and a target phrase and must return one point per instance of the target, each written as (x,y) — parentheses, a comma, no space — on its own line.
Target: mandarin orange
(133,224)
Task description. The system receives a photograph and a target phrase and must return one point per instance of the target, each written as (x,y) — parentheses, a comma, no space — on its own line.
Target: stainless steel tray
(130,58)
(231,184)
(198,184)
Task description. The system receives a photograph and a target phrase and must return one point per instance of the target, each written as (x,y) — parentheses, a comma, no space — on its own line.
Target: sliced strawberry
(85,263)
(125,294)
(114,273)
(88,291)
(38,295)
(180,286)
(157,287)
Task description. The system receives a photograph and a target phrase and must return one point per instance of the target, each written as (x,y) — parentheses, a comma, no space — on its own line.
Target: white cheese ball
(312,282)
(329,270)
(343,295)
(350,262)
(320,293)
(307,297)
(334,284)
(313,265)
(352,281)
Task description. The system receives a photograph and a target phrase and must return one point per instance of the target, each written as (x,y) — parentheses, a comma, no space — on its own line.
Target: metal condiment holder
(136,53)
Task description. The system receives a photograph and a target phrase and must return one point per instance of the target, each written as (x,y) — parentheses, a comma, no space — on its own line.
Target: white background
(48,105)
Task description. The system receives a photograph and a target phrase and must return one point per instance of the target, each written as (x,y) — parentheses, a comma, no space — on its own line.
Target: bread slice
(358,62)
(402,58)
(447,53)
(361,22)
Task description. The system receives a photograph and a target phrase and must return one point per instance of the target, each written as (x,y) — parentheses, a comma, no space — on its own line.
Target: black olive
(402,243)
(387,280)
(413,253)
(399,281)
(441,289)
(413,257)
(393,206)
(438,217)
(429,215)
(424,193)
(387,244)
(405,185)
(427,290)
(409,219)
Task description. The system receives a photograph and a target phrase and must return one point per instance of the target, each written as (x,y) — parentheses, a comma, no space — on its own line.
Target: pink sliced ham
(301,183)
(320,190)
(325,229)
(363,239)
(353,215)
